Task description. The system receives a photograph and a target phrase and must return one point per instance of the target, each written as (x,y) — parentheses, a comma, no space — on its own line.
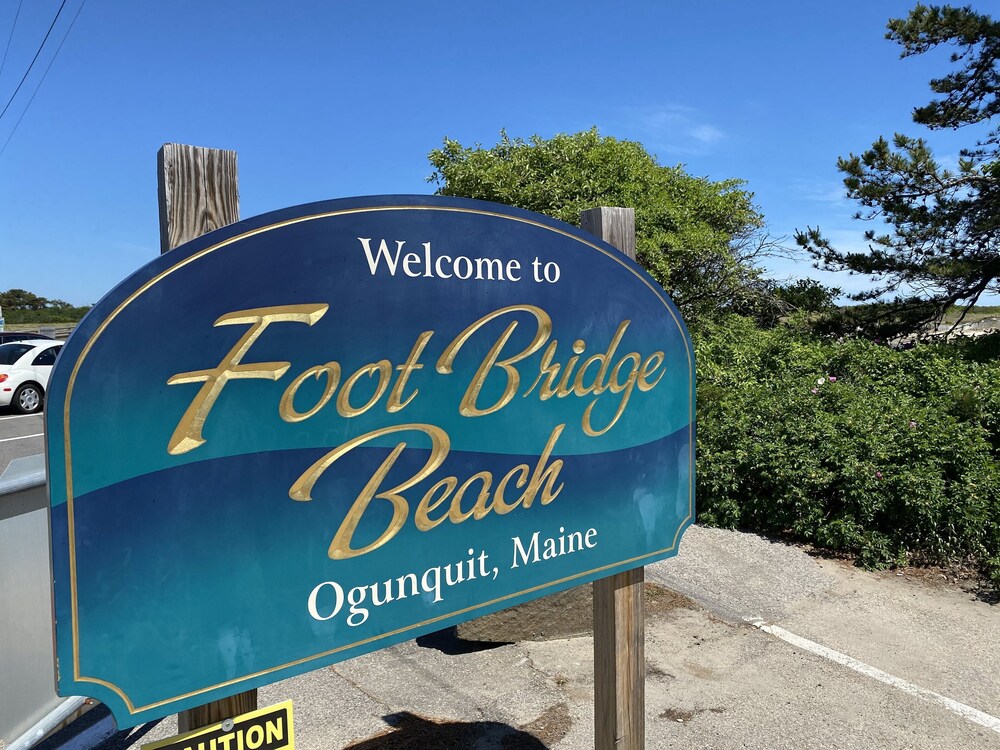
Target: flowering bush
(891,455)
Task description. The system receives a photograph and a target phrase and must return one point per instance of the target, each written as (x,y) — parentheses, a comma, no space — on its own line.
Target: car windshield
(10,353)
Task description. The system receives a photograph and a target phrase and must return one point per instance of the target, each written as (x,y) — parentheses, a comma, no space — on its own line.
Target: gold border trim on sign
(71,527)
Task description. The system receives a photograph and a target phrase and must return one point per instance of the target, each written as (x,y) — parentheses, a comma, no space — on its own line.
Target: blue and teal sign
(331,428)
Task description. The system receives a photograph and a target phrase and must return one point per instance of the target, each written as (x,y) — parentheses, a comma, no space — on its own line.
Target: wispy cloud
(707,134)
(671,129)
(825,192)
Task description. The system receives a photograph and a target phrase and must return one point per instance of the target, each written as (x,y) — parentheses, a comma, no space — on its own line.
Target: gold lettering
(340,547)
(499,504)
(188,434)
(480,509)
(287,406)
(468,406)
(603,360)
(396,400)
(563,389)
(384,369)
(645,385)
(542,484)
(546,369)
(426,505)
(615,387)
(547,475)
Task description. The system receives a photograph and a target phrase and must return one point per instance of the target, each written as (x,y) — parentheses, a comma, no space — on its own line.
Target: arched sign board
(332,428)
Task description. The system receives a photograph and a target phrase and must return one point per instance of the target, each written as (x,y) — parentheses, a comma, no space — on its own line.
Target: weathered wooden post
(198,192)
(619,627)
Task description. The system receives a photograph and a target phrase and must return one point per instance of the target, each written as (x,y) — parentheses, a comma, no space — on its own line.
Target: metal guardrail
(63,713)
(57,332)
(27,688)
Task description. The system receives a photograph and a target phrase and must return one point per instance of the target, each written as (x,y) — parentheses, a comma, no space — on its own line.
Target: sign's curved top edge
(139,280)
(98,318)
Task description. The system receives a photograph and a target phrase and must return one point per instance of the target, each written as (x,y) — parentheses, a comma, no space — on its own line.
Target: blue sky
(333,99)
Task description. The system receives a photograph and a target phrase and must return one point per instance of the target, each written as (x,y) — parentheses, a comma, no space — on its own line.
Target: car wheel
(27,398)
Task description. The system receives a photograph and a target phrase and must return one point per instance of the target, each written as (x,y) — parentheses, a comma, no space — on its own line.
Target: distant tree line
(20,306)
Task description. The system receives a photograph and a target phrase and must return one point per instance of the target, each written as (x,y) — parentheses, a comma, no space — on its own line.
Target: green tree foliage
(20,306)
(893,456)
(697,237)
(19,299)
(941,238)
(808,296)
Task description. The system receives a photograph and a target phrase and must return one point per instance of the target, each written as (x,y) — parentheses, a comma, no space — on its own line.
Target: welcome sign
(331,428)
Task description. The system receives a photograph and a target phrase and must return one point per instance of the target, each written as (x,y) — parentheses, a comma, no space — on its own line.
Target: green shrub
(889,455)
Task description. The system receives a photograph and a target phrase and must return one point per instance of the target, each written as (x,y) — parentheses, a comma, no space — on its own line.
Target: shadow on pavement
(447,642)
(412,731)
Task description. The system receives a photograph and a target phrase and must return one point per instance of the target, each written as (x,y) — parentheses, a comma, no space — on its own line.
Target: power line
(47,69)
(7,49)
(35,58)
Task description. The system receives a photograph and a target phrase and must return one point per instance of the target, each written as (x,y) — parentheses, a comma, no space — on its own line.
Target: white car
(25,367)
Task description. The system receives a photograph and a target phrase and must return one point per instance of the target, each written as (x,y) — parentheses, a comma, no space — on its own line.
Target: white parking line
(966,712)
(23,437)
(19,416)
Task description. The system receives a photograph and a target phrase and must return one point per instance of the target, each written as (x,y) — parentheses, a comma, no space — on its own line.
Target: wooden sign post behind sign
(198,192)
(619,627)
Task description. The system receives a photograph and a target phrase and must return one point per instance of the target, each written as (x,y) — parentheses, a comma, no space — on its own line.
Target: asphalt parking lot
(20,435)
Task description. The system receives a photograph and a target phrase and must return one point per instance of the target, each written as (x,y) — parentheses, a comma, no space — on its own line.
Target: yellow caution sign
(264,729)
